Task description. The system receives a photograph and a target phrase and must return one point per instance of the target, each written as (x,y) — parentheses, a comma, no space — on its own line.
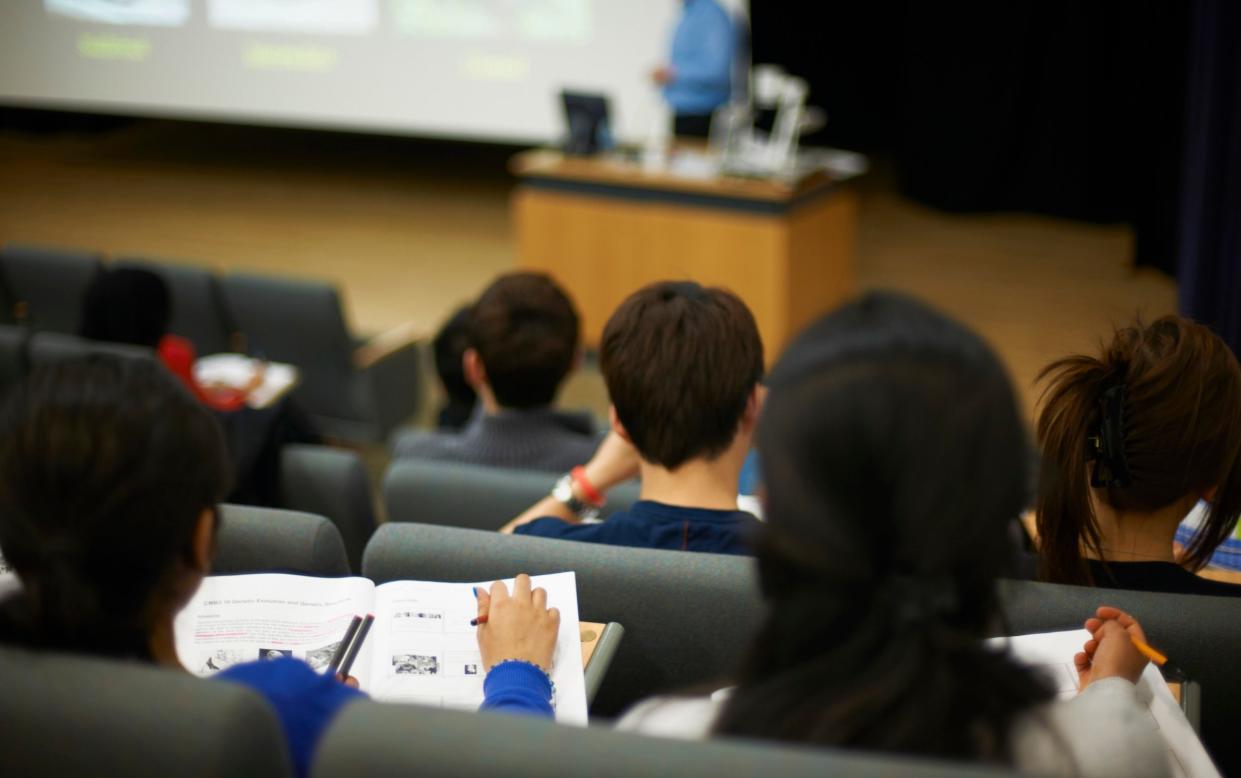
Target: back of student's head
(449,345)
(525,330)
(106,466)
(680,362)
(893,462)
(127,305)
(1154,420)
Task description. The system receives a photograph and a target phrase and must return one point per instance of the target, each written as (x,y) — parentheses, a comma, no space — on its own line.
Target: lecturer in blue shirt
(698,76)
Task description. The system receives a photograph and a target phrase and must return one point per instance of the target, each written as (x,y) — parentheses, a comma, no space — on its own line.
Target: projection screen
(478,69)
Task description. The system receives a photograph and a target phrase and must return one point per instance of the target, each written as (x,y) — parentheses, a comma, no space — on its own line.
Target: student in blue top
(110,472)
(682,364)
(698,76)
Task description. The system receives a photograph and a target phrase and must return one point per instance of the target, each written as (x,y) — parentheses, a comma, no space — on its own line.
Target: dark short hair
(680,362)
(524,328)
(127,305)
(449,345)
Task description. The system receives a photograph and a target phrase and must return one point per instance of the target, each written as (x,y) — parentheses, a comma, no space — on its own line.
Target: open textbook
(421,648)
(1054,651)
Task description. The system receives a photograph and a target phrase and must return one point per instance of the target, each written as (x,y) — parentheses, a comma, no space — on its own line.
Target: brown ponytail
(1179,434)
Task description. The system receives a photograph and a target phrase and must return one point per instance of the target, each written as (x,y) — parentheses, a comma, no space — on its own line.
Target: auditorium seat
(68,715)
(374,740)
(1201,635)
(48,347)
(330,482)
(12,356)
(355,391)
(47,284)
(472,496)
(269,540)
(198,313)
(688,617)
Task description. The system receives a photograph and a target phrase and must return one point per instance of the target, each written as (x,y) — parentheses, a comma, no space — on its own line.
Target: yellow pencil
(1149,652)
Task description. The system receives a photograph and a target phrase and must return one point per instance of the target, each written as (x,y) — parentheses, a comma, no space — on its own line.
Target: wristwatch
(562,493)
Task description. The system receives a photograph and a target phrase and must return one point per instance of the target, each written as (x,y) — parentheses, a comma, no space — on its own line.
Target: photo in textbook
(421,648)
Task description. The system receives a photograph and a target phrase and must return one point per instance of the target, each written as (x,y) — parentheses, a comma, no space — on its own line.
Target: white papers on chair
(1055,650)
(421,648)
(9,581)
(237,371)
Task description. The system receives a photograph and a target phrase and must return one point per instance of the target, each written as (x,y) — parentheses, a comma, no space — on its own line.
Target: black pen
(357,644)
(343,645)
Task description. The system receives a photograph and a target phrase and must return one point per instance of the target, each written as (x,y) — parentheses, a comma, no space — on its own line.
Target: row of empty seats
(354,388)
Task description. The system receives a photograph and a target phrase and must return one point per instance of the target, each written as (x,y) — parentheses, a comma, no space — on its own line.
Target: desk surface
(618,171)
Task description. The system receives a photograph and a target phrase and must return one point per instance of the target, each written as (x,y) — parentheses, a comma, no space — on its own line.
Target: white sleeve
(685,718)
(1106,730)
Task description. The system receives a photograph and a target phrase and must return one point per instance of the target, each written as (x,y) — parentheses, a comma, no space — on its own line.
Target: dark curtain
(1210,236)
(1050,106)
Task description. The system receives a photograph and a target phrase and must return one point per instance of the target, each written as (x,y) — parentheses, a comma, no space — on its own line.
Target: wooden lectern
(604,226)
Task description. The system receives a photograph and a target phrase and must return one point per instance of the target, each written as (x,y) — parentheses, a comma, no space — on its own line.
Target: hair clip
(1111,468)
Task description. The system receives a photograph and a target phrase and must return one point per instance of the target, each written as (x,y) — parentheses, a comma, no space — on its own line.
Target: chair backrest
(50,283)
(299,322)
(12,356)
(330,482)
(1201,635)
(374,739)
(268,540)
(688,617)
(71,715)
(48,347)
(472,496)
(198,313)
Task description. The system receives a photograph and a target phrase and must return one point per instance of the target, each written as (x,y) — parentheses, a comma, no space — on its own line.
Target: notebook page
(241,618)
(426,652)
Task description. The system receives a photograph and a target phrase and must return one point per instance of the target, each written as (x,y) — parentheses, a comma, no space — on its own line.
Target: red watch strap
(591,494)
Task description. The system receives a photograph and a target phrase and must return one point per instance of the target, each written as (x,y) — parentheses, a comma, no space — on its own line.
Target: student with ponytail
(110,472)
(1131,440)
(893,459)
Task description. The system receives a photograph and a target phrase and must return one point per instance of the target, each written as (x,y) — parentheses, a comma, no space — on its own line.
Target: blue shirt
(306,701)
(650,524)
(703,48)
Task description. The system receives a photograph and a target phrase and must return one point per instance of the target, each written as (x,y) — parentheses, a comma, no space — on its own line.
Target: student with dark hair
(134,306)
(1131,441)
(682,364)
(522,336)
(110,473)
(449,346)
(893,458)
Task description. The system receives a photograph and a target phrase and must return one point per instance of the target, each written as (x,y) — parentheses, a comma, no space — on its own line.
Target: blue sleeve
(518,687)
(305,701)
(705,58)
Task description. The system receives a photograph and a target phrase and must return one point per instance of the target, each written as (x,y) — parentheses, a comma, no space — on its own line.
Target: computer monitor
(586,115)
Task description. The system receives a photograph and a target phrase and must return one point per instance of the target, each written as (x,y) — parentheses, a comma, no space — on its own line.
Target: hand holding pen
(517,625)
(1117,648)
